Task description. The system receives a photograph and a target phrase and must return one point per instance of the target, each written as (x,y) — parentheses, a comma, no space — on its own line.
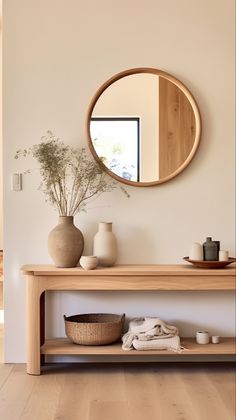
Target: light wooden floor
(119,392)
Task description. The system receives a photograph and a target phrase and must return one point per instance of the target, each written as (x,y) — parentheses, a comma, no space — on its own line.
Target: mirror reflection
(143,128)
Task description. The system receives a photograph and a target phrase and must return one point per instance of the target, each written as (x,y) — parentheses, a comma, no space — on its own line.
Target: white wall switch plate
(16,182)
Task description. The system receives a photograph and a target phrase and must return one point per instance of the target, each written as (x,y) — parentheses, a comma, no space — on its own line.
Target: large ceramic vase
(105,245)
(65,243)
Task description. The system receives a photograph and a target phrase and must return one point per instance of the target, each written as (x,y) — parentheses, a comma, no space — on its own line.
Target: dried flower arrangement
(69,176)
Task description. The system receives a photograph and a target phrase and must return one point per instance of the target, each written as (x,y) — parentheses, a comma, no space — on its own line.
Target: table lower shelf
(62,346)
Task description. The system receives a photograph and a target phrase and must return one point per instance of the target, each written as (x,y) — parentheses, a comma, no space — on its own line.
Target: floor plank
(111,385)
(224,385)
(171,395)
(15,393)
(112,410)
(96,388)
(45,395)
(5,370)
(74,398)
(206,400)
(141,395)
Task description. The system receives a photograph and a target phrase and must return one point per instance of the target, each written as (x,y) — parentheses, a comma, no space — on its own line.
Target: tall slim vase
(105,245)
(65,243)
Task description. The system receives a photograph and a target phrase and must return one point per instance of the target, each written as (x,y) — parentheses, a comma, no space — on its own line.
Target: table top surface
(129,270)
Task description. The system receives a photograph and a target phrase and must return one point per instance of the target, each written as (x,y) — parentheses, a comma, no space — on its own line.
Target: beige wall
(56,54)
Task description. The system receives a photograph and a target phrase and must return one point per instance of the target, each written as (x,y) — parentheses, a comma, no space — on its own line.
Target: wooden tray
(210,264)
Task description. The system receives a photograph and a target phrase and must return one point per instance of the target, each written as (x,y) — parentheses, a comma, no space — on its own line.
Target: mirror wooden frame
(172,79)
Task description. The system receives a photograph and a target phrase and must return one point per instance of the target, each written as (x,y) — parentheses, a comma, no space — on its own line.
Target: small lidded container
(202,337)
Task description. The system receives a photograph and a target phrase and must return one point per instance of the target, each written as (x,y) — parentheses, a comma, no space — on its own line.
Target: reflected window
(117,142)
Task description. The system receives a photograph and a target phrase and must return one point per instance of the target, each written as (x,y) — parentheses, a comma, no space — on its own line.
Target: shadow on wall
(190,329)
(136,236)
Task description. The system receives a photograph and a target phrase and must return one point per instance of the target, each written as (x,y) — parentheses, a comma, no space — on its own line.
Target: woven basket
(94,329)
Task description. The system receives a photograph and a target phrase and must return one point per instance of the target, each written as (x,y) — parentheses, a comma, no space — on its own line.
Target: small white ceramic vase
(105,245)
(196,252)
(215,339)
(202,337)
(88,262)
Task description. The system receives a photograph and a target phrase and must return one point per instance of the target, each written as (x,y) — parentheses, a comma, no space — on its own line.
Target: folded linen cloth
(172,343)
(150,329)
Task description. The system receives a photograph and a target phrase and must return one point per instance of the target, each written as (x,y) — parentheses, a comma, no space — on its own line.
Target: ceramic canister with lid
(202,337)
(196,252)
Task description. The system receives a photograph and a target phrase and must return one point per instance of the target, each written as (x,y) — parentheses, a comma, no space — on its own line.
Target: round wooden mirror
(143,126)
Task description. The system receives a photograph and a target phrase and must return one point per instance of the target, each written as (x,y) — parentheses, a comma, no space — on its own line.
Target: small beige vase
(65,243)
(105,245)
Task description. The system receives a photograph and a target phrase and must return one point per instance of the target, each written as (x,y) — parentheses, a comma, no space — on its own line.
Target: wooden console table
(41,278)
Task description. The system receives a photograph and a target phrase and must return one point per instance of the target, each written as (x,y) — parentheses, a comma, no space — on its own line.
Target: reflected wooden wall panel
(176,127)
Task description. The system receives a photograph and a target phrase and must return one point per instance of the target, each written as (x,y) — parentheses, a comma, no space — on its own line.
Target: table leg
(33,326)
(42,325)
